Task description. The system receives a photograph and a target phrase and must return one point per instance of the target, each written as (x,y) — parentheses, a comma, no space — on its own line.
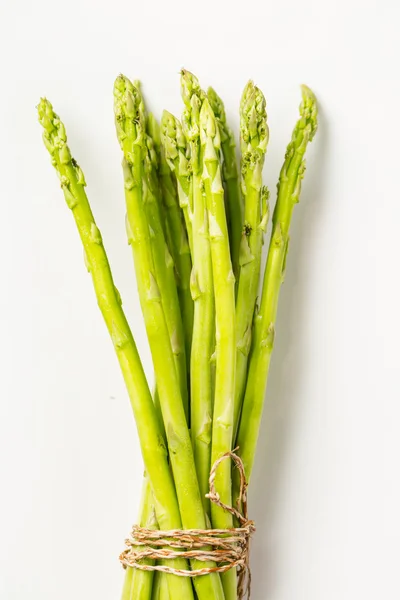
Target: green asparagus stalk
(153,153)
(176,236)
(253,141)
(141,582)
(138,583)
(203,295)
(164,268)
(264,326)
(176,154)
(126,590)
(160,588)
(151,440)
(130,124)
(234,202)
(224,293)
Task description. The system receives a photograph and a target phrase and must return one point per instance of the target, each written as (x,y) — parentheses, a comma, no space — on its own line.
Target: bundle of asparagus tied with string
(195,221)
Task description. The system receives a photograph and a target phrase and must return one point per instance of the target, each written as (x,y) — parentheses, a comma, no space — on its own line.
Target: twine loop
(227,548)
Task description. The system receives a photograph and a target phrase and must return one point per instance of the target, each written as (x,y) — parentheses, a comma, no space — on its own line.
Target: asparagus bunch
(196,237)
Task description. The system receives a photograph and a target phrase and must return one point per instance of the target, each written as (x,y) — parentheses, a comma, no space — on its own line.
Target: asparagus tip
(253,119)
(208,124)
(120,83)
(217,105)
(247,92)
(190,86)
(168,124)
(44,108)
(309,110)
(54,134)
(169,135)
(166,117)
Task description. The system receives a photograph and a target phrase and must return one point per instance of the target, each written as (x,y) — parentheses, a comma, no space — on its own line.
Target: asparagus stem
(203,296)
(138,584)
(126,590)
(177,240)
(264,324)
(254,140)
(224,293)
(142,581)
(234,202)
(130,124)
(176,154)
(151,440)
(160,588)
(164,269)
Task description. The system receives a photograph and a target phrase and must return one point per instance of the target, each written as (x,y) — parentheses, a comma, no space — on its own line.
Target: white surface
(326,491)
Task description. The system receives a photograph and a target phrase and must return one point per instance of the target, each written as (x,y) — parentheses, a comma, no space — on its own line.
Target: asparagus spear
(150,436)
(126,591)
(164,268)
(160,588)
(224,292)
(139,584)
(234,203)
(176,237)
(203,296)
(176,154)
(264,326)
(253,141)
(130,124)
(153,157)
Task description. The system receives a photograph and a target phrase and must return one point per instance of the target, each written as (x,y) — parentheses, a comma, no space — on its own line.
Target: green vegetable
(197,239)
(160,588)
(224,292)
(139,584)
(253,143)
(289,188)
(234,202)
(130,124)
(177,157)
(203,342)
(164,267)
(179,247)
(109,301)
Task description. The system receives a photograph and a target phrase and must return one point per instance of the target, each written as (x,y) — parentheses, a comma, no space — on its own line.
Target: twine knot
(227,548)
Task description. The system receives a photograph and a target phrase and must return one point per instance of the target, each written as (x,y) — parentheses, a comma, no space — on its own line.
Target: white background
(326,491)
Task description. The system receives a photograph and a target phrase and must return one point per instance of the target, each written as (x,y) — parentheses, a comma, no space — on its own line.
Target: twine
(228,548)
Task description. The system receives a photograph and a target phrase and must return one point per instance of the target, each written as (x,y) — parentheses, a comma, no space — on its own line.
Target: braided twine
(227,548)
